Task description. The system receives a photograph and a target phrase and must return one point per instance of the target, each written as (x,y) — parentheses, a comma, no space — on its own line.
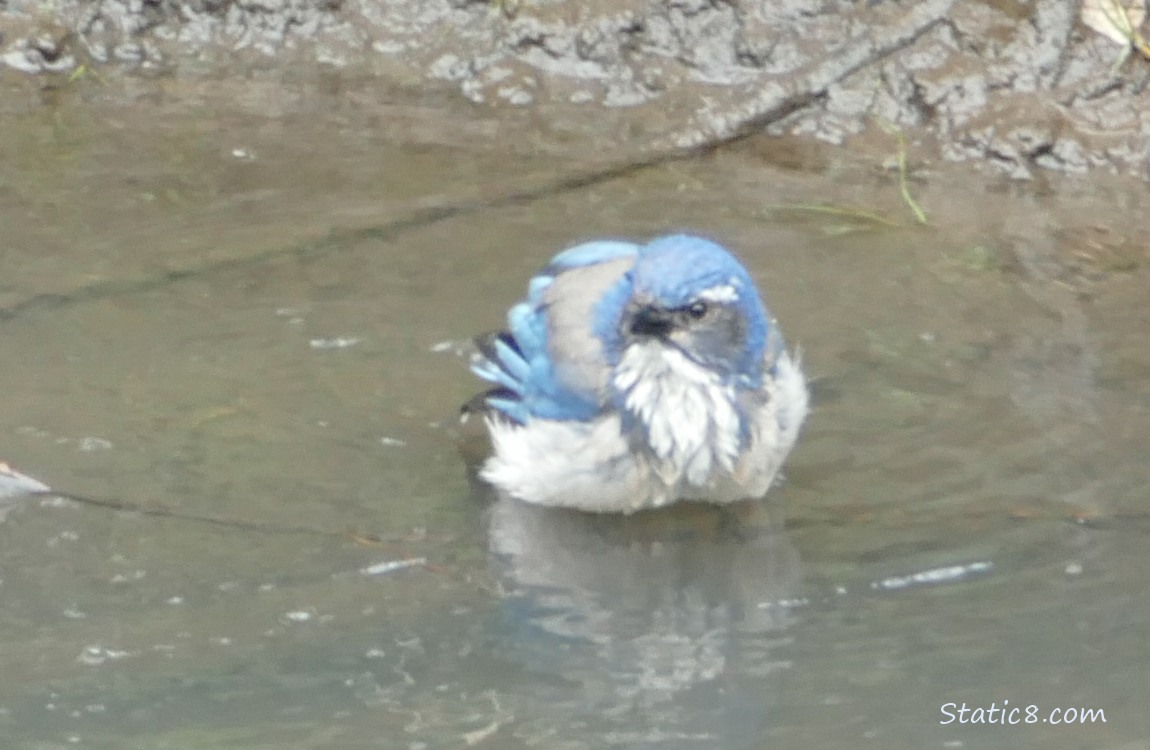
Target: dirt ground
(1021,85)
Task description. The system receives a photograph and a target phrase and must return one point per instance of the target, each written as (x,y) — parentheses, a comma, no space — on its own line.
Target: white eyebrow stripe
(721,293)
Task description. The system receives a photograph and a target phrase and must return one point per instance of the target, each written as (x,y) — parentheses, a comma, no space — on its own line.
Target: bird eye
(697,310)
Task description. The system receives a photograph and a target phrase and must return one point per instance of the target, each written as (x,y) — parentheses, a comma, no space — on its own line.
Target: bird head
(690,295)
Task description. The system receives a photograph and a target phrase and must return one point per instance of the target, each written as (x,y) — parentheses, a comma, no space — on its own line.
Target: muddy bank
(1021,86)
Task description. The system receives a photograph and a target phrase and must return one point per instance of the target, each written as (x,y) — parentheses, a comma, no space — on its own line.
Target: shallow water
(257,319)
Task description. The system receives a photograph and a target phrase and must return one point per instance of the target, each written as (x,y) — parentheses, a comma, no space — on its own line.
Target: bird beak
(654,322)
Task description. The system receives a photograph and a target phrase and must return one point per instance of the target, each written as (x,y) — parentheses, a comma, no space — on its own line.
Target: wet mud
(1019,86)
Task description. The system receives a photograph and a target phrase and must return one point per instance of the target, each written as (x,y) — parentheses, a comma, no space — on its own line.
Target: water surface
(257,318)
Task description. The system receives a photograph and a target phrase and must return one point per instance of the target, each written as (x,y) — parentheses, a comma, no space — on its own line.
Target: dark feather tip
(485,343)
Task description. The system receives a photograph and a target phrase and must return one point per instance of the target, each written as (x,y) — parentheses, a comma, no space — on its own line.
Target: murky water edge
(224,314)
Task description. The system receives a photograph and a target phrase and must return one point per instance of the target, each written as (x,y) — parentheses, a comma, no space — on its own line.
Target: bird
(634,376)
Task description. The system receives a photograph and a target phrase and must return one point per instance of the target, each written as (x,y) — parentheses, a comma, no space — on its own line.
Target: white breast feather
(585,465)
(689,415)
(693,432)
(775,428)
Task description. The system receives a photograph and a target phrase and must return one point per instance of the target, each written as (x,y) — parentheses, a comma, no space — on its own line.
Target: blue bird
(633,376)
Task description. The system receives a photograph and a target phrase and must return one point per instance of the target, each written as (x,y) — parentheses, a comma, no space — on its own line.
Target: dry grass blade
(903,178)
(1120,21)
(859,216)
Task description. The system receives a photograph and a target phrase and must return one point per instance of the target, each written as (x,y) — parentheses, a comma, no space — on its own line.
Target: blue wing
(547,363)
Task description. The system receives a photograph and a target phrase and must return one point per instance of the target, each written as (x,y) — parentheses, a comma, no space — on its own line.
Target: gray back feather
(570,299)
